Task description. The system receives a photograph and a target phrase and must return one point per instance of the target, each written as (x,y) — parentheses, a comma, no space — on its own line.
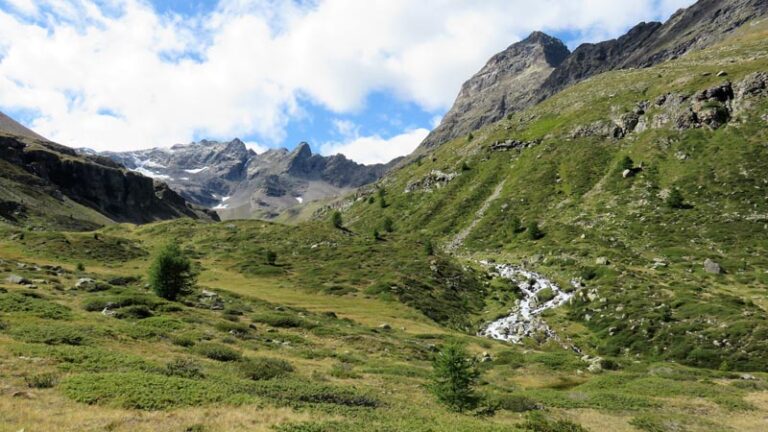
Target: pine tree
(336,220)
(429,249)
(388,225)
(675,199)
(271,257)
(515,225)
(454,378)
(171,272)
(534,232)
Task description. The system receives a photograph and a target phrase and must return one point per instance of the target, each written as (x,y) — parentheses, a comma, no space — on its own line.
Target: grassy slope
(574,188)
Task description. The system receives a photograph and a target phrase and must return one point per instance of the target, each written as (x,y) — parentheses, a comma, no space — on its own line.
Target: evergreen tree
(429,249)
(534,232)
(271,257)
(626,163)
(382,197)
(515,225)
(171,272)
(675,199)
(454,378)
(376,235)
(388,225)
(336,220)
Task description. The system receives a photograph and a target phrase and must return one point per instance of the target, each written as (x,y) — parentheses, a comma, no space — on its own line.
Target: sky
(365,78)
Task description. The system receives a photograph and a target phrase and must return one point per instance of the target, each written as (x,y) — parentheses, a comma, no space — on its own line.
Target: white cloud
(258,148)
(128,78)
(375,149)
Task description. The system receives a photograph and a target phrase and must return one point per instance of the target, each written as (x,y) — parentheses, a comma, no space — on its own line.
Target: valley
(591,238)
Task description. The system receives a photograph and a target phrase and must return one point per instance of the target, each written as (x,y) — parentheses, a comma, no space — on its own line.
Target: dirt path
(457,241)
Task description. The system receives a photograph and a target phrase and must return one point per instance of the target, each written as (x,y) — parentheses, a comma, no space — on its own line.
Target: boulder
(18,280)
(485,357)
(722,73)
(712,267)
(602,261)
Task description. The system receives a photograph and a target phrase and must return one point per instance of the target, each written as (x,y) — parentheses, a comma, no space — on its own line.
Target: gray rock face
(506,83)
(539,67)
(97,183)
(238,183)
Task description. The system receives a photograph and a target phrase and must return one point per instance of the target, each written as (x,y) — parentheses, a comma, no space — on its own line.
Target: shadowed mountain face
(238,183)
(540,66)
(45,183)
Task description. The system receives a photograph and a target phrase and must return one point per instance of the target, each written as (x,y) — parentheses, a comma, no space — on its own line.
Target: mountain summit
(540,66)
(506,83)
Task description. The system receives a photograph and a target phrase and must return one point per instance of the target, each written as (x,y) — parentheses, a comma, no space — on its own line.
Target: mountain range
(239,183)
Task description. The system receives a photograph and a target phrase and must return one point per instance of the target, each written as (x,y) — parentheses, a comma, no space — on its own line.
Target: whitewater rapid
(524,319)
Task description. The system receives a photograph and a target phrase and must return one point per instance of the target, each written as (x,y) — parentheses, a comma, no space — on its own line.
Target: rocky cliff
(540,66)
(86,191)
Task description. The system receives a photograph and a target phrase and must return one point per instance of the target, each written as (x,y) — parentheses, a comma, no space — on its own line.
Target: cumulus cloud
(375,149)
(117,75)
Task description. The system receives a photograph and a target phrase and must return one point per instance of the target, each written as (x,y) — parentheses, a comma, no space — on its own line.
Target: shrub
(515,225)
(454,377)
(217,352)
(344,371)
(184,341)
(537,422)
(388,225)
(375,234)
(464,166)
(675,199)
(80,267)
(534,232)
(264,368)
(429,249)
(34,306)
(283,320)
(336,220)
(135,312)
(516,403)
(41,381)
(50,334)
(626,163)
(270,257)
(171,273)
(184,368)
(382,197)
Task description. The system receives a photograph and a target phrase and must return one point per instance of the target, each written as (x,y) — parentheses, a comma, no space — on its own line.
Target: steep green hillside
(695,128)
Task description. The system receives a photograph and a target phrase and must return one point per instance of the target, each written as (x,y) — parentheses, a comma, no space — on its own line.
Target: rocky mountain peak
(504,84)
(540,66)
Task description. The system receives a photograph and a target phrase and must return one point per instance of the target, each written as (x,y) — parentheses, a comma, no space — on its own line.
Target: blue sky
(364,78)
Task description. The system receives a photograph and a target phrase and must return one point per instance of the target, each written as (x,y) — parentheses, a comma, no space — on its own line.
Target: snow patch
(196,170)
(152,174)
(300,200)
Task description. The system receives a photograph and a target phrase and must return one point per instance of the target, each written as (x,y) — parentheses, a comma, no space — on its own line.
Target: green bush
(217,352)
(344,371)
(184,368)
(516,403)
(270,257)
(454,378)
(534,232)
(41,381)
(282,320)
(675,199)
(135,312)
(146,391)
(294,392)
(184,340)
(33,305)
(538,422)
(171,273)
(51,334)
(264,368)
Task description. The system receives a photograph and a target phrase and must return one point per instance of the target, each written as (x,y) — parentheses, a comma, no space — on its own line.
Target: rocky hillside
(238,183)
(540,66)
(641,191)
(45,183)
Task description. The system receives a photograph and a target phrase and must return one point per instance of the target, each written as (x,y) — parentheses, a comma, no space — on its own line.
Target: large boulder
(712,267)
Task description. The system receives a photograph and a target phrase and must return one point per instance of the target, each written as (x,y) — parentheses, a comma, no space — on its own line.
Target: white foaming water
(524,320)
